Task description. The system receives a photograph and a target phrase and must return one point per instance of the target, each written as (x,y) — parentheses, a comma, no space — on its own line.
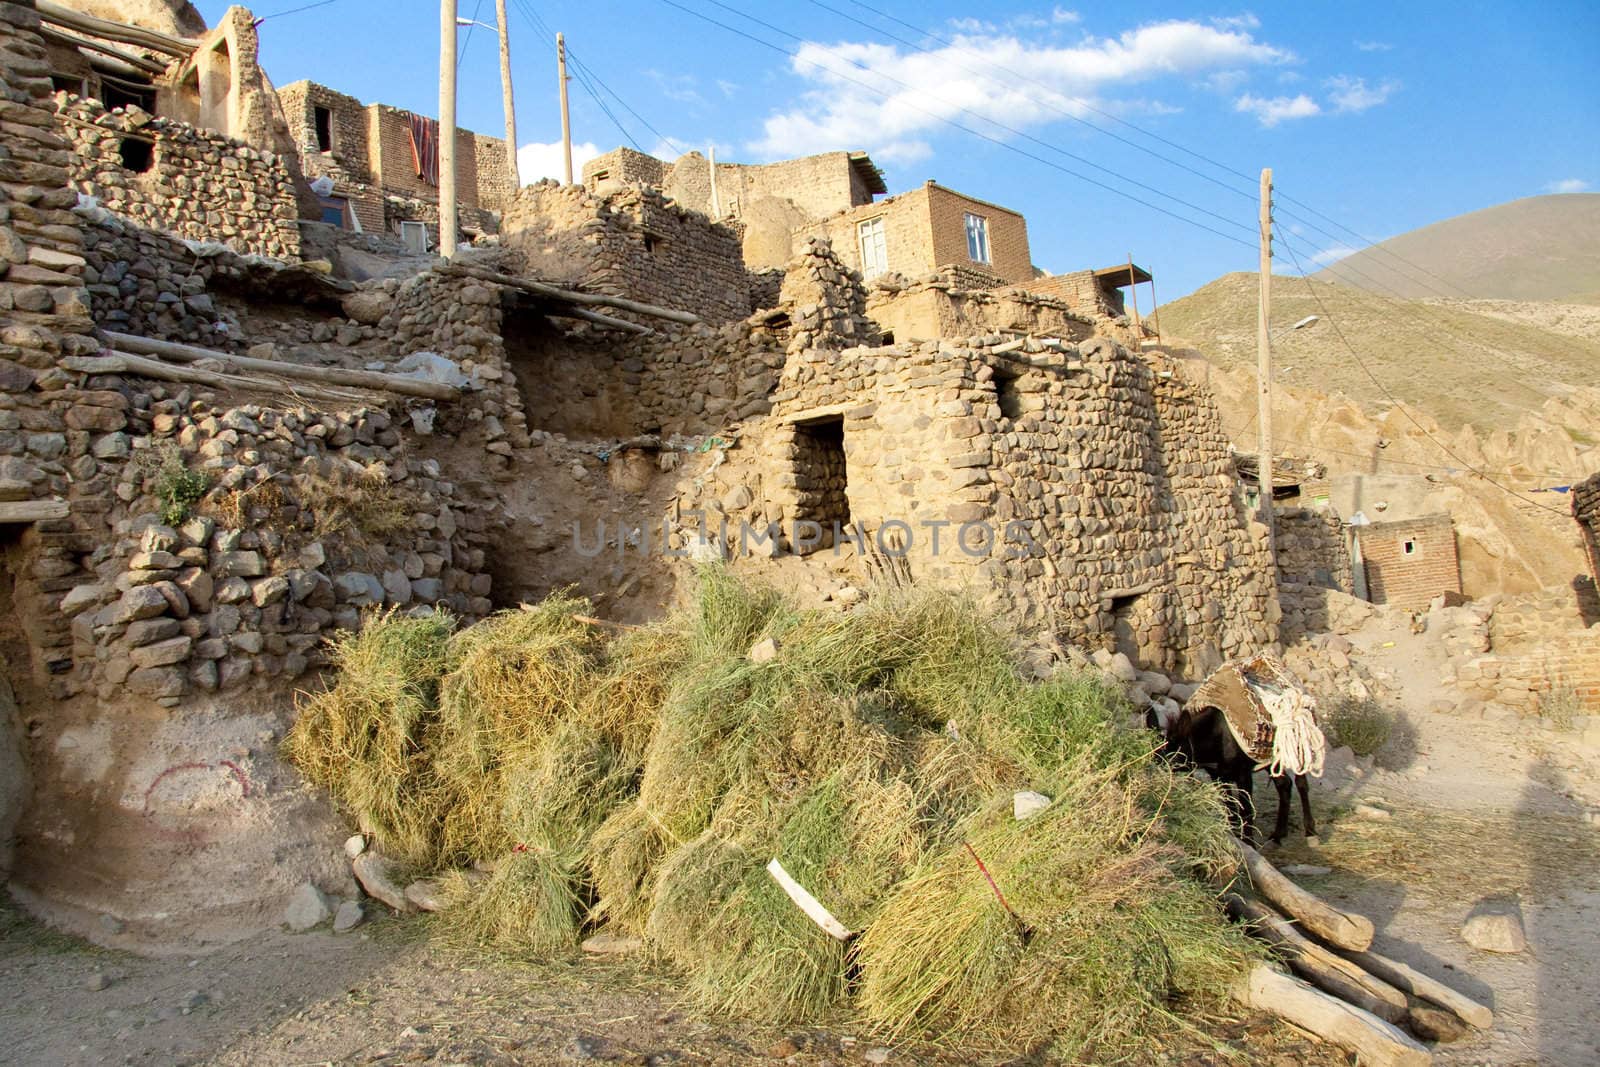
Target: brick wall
(1082,291)
(1410,578)
(1009,257)
(908,236)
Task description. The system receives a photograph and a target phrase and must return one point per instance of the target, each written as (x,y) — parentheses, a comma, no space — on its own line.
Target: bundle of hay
(646,785)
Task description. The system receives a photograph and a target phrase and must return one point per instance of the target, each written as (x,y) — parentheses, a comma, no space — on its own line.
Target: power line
(472,24)
(669,142)
(969,130)
(294,10)
(1338,332)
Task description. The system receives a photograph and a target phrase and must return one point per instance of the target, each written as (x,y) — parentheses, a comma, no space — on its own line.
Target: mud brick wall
(1410,578)
(1114,467)
(1312,549)
(1081,291)
(907,233)
(634,243)
(200,185)
(1534,681)
(625,165)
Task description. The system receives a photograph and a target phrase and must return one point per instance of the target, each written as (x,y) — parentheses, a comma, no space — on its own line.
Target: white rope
(1298,746)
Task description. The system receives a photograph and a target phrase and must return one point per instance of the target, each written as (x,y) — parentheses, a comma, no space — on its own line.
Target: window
(977,238)
(874,249)
(1408,547)
(137,154)
(335,211)
(1006,392)
(600,176)
(415,236)
(324,119)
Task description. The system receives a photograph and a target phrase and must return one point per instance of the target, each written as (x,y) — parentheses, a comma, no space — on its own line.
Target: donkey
(1200,738)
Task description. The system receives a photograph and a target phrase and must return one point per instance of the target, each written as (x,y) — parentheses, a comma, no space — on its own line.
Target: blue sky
(1384,117)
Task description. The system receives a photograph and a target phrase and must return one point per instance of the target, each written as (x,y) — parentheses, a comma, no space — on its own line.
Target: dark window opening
(62,84)
(1409,547)
(115,96)
(601,175)
(1006,392)
(821,478)
(649,245)
(138,155)
(1124,633)
(324,119)
(888,337)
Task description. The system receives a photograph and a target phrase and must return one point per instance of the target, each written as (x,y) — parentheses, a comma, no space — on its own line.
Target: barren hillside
(1487,363)
(1538,248)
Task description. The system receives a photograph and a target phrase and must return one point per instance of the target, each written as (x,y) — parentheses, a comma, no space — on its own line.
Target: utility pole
(1133,291)
(505,88)
(447,128)
(1264,365)
(711,165)
(566,119)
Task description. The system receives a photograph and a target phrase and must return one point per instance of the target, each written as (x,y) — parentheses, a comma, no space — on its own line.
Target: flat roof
(1124,274)
(871,175)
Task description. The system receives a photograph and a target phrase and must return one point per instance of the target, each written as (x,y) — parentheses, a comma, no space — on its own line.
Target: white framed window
(415,236)
(977,238)
(874,248)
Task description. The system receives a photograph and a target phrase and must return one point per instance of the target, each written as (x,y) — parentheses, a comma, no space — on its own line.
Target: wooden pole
(1264,364)
(122,33)
(1318,965)
(1418,984)
(505,89)
(711,165)
(1155,307)
(1341,929)
(566,115)
(1376,1043)
(447,128)
(1133,291)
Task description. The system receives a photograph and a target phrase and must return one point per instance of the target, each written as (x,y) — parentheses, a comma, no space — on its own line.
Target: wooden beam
(599,319)
(32,510)
(1317,965)
(1341,929)
(1418,984)
(1375,1042)
(149,66)
(179,47)
(361,379)
(124,363)
(570,296)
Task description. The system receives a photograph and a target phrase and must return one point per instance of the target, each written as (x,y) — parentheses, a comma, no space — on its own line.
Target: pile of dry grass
(646,783)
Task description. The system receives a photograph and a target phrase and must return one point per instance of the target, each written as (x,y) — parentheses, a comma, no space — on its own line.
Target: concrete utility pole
(1264,364)
(447,128)
(505,88)
(566,118)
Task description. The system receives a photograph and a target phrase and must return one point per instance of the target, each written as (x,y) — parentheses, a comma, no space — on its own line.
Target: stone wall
(634,243)
(1313,549)
(347,161)
(1079,489)
(1080,290)
(1586,510)
(939,305)
(1408,563)
(167,175)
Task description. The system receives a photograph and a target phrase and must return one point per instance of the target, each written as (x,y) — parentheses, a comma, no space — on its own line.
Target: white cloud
(536,160)
(1568,185)
(1269,111)
(683,88)
(1061,15)
(1374,46)
(1333,254)
(878,97)
(1353,95)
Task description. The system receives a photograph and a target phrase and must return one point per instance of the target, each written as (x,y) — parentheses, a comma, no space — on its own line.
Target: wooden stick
(32,510)
(1418,984)
(808,903)
(570,296)
(603,320)
(1342,929)
(1375,1042)
(137,62)
(364,379)
(590,620)
(1316,964)
(181,47)
(123,363)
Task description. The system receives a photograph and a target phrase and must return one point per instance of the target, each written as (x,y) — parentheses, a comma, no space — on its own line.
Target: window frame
(977,230)
(319,127)
(873,228)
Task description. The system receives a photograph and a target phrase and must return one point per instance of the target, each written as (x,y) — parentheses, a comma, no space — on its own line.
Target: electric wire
(977,133)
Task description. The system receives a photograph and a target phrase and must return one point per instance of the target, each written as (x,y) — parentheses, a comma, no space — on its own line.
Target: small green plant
(1362,724)
(177,487)
(1561,706)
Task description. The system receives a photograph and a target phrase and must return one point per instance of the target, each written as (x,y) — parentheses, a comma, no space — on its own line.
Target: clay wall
(1082,291)
(940,305)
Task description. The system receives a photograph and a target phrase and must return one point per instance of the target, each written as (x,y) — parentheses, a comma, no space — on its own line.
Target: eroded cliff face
(177,17)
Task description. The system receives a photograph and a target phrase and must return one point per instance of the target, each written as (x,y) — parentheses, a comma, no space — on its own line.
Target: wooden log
(570,296)
(1316,964)
(136,62)
(1342,929)
(596,317)
(1375,1042)
(362,379)
(124,363)
(181,47)
(32,510)
(809,904)
(1420,985)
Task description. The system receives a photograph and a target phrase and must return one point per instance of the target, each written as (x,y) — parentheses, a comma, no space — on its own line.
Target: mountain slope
(1488,365)
(1539,248)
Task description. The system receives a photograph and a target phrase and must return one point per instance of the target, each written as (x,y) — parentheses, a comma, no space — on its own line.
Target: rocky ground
(1453,817)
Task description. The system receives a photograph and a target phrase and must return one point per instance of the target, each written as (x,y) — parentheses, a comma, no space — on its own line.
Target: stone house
(1586,510)
(1407,562)
(384,181)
